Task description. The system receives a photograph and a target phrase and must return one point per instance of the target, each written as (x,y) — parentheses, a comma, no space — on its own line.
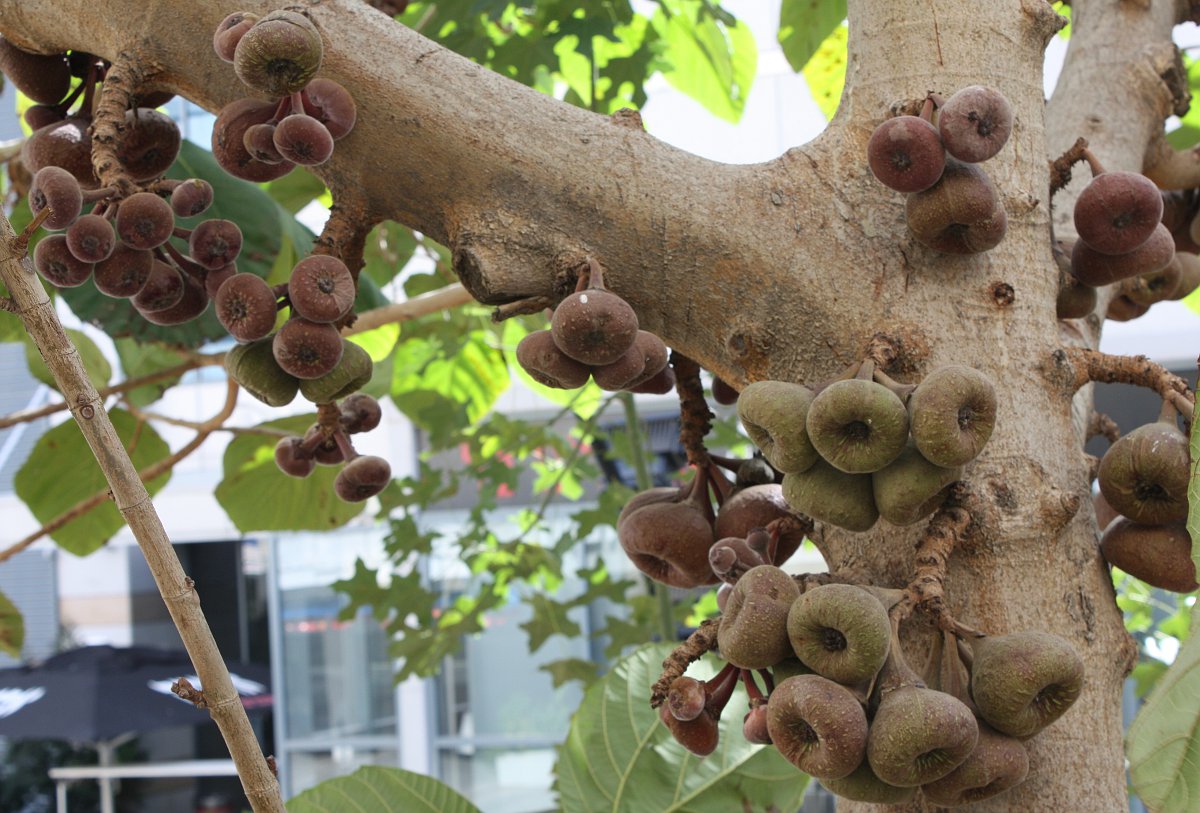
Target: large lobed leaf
(1163,745)
(257,496)
(61,471)
(619,758)
(375,789)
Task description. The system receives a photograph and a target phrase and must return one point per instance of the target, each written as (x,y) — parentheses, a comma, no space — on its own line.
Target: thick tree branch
(133,501)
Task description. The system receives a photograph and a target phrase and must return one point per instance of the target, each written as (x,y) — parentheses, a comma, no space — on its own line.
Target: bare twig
(203,430)
(699,642)
(449,297)
(1060,168)
(133,501)
(197,361)
(1092,365)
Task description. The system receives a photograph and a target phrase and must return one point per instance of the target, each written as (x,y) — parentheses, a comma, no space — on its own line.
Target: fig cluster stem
(133,501)
(695,418)
(700,642)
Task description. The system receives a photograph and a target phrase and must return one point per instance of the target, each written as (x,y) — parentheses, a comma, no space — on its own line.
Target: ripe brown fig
(66,144)
(56,189)
(292,458)
(975,123)
(594,326)
(362,478)
(191,304)
(1094,268)
(818,726)
(91,238)
(686,698)
(125,271)
(698,735)
(331,104)
(150,144)
(214,244)
(45,78)
(228,141)
(1160,555)
(302,140)
(57,265)
(669,541)
(245,306)
(307,349)
(1118,211)
(960,214)
(145,221)
(321,288)
(360,413)
(756,507)
(906,154)
(1155,286)
(229,31)
(164,289)
(539,356)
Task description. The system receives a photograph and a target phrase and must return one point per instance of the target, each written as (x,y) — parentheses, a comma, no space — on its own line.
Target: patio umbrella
(96,693)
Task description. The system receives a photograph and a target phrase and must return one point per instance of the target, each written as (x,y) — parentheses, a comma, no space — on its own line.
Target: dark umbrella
(99,692)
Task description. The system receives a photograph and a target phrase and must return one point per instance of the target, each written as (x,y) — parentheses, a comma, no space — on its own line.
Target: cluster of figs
(1142,506)
(594,334)
(865,446)
(1130,237)
(842,704)
(119,235)
(952,206)
(277,57)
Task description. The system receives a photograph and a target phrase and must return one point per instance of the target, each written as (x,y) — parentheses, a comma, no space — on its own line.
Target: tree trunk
(782,270)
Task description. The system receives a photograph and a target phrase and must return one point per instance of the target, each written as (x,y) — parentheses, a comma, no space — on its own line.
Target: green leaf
(11,329)
(804,25)
(61,472)
(388,249)
(257,496)
(140,359)
(619,758)
(709,60)
(295,190)
(567,669)
(549,618)
(12,628)
(826,71)
(1163,745)
(376,789)
(473,374)
(99,371)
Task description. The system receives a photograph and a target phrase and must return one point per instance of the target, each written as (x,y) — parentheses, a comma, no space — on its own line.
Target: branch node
(184,689)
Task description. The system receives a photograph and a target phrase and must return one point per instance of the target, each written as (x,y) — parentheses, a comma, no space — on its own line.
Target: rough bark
(785,269)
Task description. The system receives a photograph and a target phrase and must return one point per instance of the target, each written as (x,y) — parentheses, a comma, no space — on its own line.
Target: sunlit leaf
(619,758)
(710,61)
(804,25)
(61,472)
(140,359)
(377,789)
(825,73)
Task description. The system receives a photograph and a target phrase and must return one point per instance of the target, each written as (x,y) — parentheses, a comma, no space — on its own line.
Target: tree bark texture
(783,270)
